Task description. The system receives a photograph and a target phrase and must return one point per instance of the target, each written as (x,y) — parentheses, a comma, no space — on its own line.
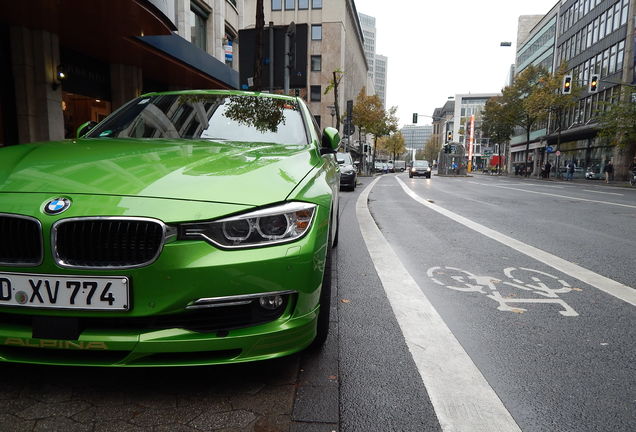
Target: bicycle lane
(558,352)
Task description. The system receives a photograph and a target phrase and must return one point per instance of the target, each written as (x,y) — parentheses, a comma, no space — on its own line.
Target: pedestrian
(548,167)
(609,171)
(570,170)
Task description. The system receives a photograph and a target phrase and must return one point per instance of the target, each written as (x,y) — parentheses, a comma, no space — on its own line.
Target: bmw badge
(56,206)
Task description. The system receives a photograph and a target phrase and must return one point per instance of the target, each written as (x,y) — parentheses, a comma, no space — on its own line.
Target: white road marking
(491,286)
(462,398)
(606,193)
(607,285)
(567,197)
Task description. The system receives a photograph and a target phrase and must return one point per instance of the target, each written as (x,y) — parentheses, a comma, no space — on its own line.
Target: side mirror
(330,140)
(85,128)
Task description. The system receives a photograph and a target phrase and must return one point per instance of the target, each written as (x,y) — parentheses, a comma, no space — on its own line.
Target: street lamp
(332,110)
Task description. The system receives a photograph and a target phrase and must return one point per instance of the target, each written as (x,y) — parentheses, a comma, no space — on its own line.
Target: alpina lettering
(59,344)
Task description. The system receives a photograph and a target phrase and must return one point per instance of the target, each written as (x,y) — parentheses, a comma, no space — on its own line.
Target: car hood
(229,172)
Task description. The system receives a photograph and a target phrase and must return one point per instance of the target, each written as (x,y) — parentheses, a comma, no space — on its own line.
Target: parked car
(399,165)
(348,174)
(187,228)
(594,173)
(420,168)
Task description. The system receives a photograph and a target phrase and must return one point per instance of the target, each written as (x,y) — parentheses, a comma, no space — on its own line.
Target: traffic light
(449,136)
(567,84)
(593,84)
(447,148)
(414,117)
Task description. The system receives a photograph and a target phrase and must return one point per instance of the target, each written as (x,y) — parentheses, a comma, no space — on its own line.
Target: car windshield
(419,163)
(218,117)
(344,158)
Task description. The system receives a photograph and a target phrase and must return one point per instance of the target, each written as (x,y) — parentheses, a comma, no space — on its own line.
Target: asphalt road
(460,304)
(558,352)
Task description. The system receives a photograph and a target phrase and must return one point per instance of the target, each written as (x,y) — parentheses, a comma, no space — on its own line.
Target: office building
(416,137)
(334,43)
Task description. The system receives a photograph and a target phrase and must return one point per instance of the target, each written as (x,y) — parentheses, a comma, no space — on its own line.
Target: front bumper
(160,294)
(420,173)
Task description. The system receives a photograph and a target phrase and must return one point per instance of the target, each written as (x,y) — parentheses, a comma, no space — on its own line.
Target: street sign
(549,149)
(558,153)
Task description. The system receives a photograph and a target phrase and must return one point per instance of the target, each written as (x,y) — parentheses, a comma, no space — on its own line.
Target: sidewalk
(615,183)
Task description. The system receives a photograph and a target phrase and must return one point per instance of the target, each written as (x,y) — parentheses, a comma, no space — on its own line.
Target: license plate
(64,292)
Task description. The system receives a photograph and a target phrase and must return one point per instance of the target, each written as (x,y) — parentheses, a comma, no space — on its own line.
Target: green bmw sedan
(187,228)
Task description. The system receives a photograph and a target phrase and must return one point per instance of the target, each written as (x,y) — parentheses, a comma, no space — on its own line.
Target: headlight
(274,225)
(413,170)
(349,172)
(428,169)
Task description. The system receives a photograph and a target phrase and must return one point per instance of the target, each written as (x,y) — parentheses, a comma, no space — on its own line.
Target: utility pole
(271,57)
(291,32)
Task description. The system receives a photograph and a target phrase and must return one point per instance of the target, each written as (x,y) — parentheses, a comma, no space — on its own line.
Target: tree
(392,144)
(432,148)
(370,116)
(618,126)
(524,102)
(555,102)
(497,123)
(533,97)
(333,85)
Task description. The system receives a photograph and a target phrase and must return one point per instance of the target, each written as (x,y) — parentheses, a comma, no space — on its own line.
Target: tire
(322,324)
(335,238)
(410,176)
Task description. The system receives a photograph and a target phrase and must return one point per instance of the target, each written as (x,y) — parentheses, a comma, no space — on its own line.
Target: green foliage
(264,113)
(618,122)
(533,95)
(369,116)
(497,121)
(333,84)
(392,144)
(432,148)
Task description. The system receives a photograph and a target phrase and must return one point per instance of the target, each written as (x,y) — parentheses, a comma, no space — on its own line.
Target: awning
(128,32)
(184,63)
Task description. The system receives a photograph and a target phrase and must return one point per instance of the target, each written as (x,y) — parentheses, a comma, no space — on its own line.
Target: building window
(289,5)
(316,63)
(620,55)
(317,118)
(316,4)
(315,93)
(198,22)
(303,4)
(277,5)
(316,32)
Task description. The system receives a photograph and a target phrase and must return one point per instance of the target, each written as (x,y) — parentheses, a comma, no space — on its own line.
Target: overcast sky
(438,48)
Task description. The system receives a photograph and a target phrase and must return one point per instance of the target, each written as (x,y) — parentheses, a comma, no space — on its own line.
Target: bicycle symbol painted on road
(536,282)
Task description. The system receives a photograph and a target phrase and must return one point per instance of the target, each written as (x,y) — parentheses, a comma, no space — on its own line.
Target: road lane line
(607,285)
(567,197)
(607,193)
(462,398)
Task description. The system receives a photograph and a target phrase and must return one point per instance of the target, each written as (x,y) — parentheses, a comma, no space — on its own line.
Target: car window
(344,158)
(419,163)
(208,116)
